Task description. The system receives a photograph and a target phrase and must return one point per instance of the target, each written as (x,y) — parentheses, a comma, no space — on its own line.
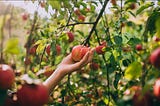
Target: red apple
(155,58)
(70,36)
(48,73)
(7,76)
(43,4)
(139,47)
(11,100)
(113,2)
(122,24)
(48,49)
(142,99)
(27,61)
(94,66)
(104,43)
(99,49)
(25,16)
(58,49)
(81,18)
(32,95)
(132,6)
(78,52)
(156,88)
(32,50)
(77,12)
(156,39)
(126,49)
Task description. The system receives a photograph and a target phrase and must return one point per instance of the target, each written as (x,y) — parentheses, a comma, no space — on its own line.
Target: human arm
(67,66)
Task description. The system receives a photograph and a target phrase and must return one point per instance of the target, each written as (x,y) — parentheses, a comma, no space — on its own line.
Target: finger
(81,63)
(85,58)
(90,55)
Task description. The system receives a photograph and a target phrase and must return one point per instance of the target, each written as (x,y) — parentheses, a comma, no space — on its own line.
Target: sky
(31,7)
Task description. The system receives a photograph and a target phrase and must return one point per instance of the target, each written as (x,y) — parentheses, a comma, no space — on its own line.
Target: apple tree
(126,63)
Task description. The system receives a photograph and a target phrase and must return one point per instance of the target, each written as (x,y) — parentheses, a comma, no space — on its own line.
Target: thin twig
(103,56)
(28,44)
(76,24)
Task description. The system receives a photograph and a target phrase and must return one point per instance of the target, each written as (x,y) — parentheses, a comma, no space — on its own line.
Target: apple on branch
(100,49)
(139,47)
(81,18)
(25,16)
(70,36)
(58,49)
(155,58)
(78,52)
(156,89)
(77,12)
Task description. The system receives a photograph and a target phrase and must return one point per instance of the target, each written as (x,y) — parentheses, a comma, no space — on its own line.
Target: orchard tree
(126,63)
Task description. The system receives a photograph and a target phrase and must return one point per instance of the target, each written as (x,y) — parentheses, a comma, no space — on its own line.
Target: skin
(67,66)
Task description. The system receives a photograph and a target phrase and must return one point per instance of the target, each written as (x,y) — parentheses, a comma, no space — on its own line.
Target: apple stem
(86,41)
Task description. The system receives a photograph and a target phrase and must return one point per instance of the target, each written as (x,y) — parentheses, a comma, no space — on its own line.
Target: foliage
(121,66)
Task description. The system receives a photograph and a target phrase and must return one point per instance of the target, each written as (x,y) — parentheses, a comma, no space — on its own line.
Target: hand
(68,65)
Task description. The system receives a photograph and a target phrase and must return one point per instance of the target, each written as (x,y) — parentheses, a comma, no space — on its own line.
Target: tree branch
(96,22)
(76,24)
(28,44)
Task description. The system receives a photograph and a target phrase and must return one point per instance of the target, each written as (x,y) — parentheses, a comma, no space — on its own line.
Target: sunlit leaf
(12,46)
(157,24)
(133,71)
(55,4)
(143,7)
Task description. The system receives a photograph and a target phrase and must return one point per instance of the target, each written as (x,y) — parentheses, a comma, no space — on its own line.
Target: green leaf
(133,71)
(126,62)
(128,1)
(132,13)
(134,41)
(152,22)
(12,46)
(143,7)
(158,3)
(157,24)
(41,45)
(116,80)
(55,4)
(118,39)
